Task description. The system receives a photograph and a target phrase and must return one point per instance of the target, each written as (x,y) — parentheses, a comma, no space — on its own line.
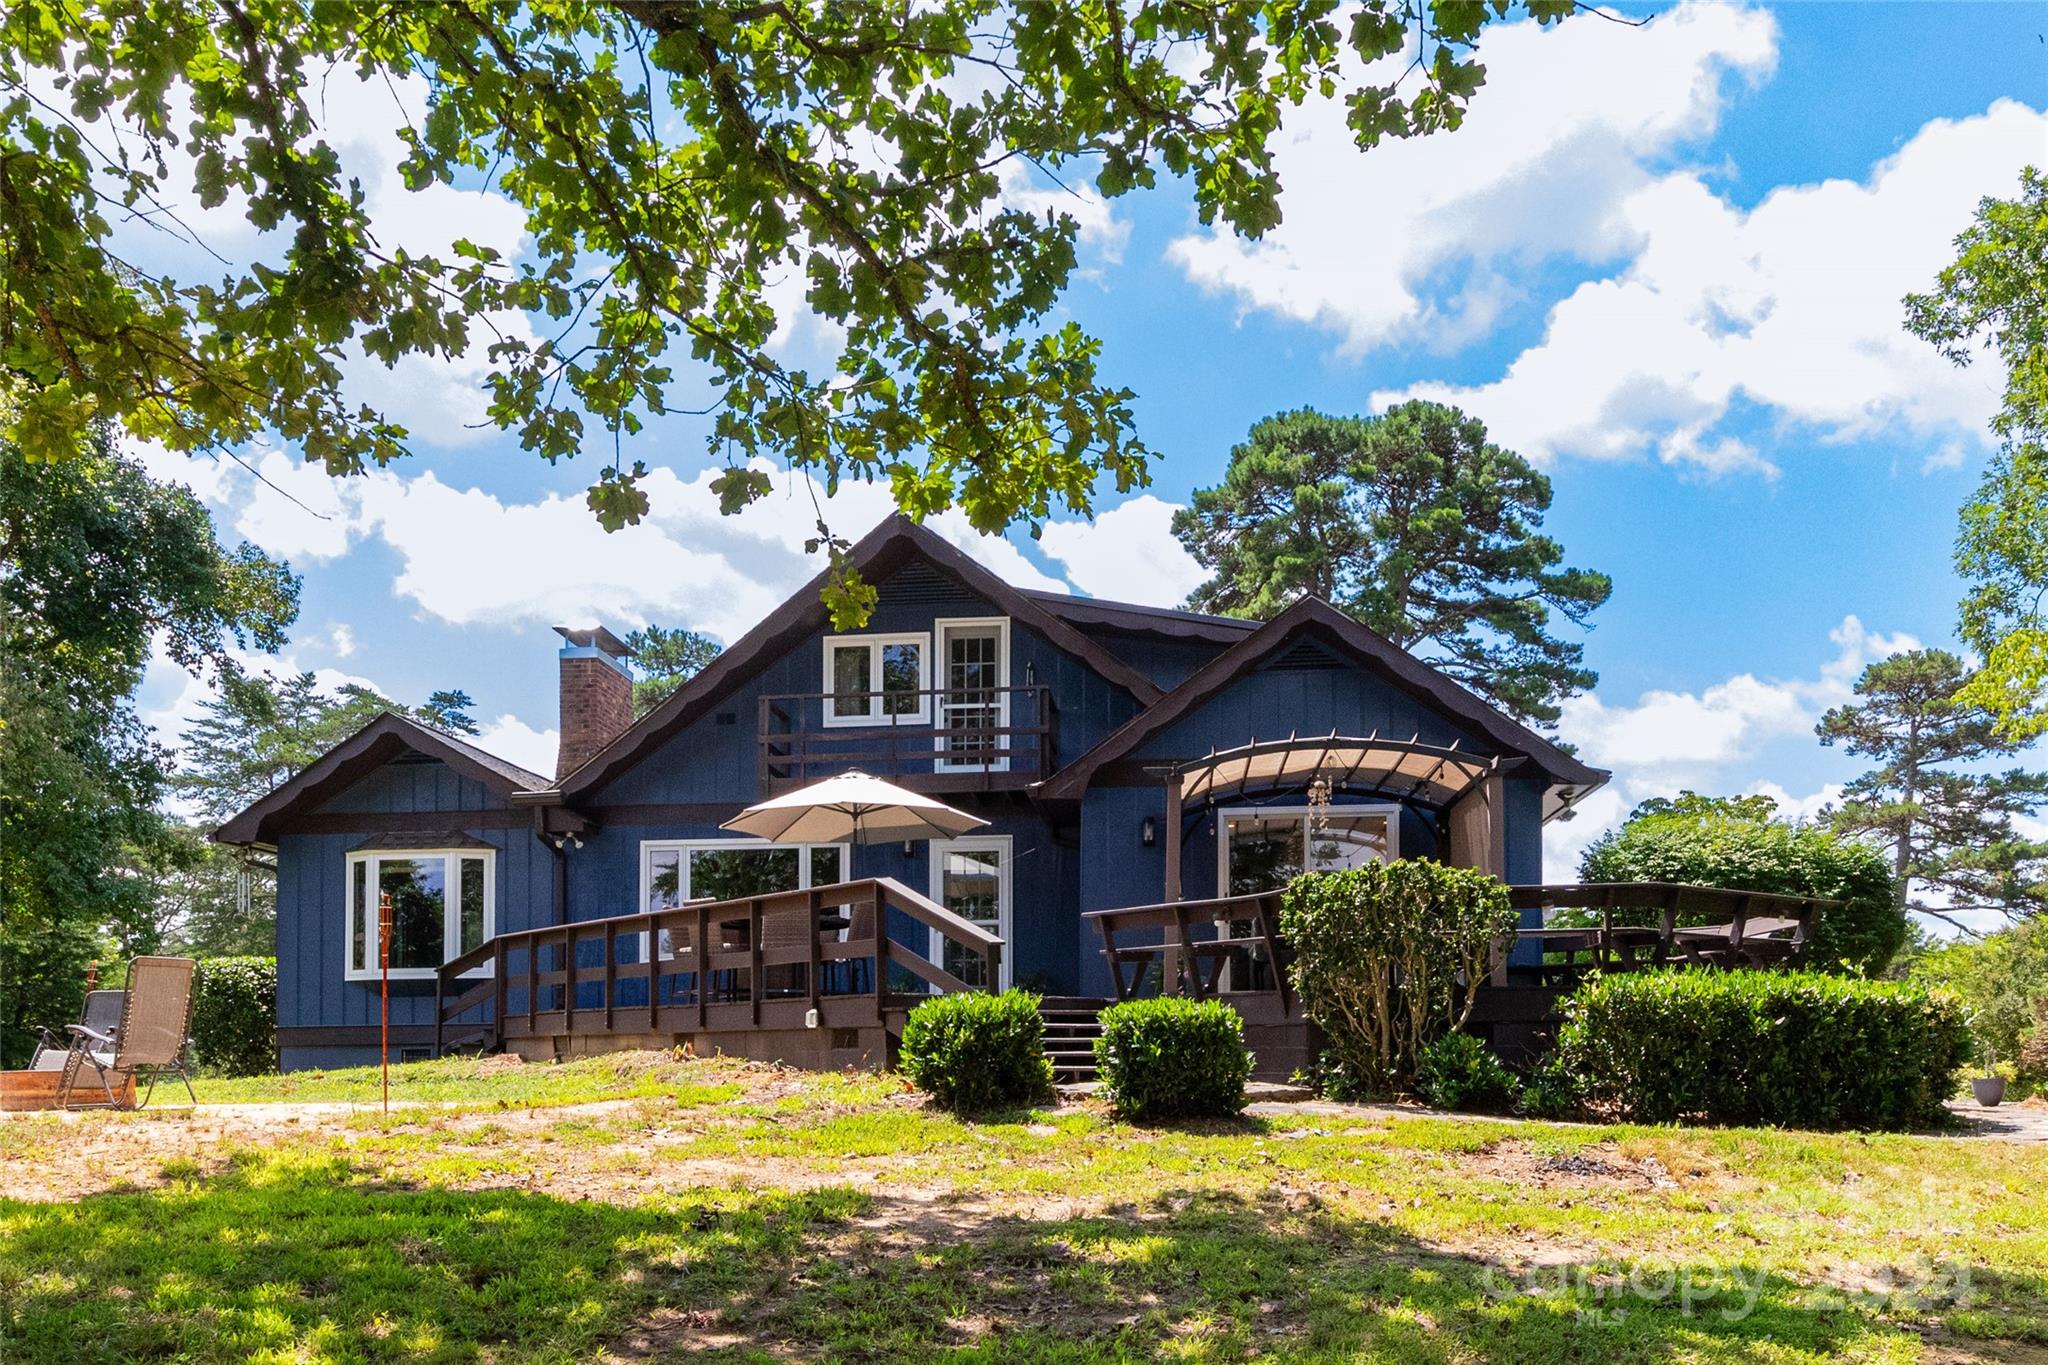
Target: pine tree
(1414,523)
(1951,829)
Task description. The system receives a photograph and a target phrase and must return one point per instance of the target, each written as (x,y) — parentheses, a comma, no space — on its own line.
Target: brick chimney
(597,694)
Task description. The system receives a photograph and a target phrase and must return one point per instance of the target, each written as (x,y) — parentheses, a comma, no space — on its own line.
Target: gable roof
(386,737)
(1316,619)
(880,552)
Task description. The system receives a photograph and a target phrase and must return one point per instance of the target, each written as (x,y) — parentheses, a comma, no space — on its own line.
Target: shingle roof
(386,736)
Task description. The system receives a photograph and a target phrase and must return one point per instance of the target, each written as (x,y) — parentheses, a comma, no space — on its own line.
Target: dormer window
(443,902)
(877,680)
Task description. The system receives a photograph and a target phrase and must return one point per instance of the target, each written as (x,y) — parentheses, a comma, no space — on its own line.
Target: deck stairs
(1072,1024)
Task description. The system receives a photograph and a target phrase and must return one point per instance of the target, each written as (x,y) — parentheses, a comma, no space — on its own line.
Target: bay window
(443,904)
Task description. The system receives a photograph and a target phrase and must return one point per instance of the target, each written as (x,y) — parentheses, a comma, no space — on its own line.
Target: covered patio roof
(1431,775)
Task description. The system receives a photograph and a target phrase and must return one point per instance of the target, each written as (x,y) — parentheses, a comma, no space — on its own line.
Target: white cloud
(343,641)
(1420,239)
(512,738)
(1709,741)
(1792,306)
(1128,554)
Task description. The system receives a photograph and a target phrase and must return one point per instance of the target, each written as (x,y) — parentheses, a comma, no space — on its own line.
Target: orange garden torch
(384,991)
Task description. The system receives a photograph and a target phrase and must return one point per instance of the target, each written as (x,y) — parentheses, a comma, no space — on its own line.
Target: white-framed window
(674,872)
(877,679)
(1262,848)
(973,700)
(971,877)
(444,902)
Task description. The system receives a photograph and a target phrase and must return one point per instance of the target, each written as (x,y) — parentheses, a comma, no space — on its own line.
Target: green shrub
(1461,1073)
(1550,1091)
(1739,844)
(1172,1057)
(2003,982)
(1431,928)
(234,1015)
(1789,1049)
(974,1052)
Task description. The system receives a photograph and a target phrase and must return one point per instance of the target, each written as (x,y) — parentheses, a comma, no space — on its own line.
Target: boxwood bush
(974,1052)
(234,1015)
(1788,1049)
(1460,1073)
(1172,1057)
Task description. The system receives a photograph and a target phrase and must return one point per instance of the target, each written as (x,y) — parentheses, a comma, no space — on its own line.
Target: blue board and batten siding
(313,988)
(1079,854)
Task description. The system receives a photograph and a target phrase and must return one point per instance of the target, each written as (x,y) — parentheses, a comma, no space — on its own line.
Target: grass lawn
(641,1207)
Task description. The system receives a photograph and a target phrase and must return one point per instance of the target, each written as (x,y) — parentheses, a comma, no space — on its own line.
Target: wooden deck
(813,978)
(809,977)
(1231,949)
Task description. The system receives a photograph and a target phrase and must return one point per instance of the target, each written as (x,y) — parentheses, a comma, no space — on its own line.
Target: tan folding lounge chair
(156,1015)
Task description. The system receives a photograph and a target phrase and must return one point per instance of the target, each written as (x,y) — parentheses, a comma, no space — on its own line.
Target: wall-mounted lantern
(1148,832)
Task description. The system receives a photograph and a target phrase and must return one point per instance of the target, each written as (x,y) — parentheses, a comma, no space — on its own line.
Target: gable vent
(414,756)
(1304,656)
(921,585)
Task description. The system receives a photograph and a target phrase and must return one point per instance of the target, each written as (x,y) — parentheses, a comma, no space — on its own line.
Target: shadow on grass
(303,1257)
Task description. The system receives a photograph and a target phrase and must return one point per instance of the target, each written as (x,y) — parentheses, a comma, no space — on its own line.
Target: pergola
(1462,786)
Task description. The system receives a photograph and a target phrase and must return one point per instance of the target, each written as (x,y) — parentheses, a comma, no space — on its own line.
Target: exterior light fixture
(1148,832)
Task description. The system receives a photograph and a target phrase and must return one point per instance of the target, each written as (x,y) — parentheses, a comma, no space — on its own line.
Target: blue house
(1123,756)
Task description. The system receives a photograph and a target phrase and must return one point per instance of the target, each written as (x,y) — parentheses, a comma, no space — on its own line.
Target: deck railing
(1622,926)
(989,736)
(1230,945)
(753,962)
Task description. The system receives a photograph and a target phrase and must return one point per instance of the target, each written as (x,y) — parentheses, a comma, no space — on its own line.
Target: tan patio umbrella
(852,806)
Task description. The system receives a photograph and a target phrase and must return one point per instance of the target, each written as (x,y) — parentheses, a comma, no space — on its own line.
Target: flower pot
(1990,1090)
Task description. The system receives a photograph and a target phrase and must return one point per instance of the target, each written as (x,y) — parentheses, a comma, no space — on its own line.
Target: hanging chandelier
(1319,802)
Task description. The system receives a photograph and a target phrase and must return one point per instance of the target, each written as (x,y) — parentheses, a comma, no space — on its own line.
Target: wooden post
(817,959)
(653,935)
(1173,837)
(703,963)
(384,991)
(754,920)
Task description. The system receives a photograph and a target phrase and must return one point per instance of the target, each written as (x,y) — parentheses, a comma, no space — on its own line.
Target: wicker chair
(102,1014)
(156,1015)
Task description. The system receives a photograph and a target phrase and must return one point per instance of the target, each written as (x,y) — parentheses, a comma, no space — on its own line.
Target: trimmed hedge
(234,1015)
(974,1052)
(1786,1049)
(1172,1057)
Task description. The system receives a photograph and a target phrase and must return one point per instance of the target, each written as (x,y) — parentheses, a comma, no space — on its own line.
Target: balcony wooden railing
(983,737)
(752,963)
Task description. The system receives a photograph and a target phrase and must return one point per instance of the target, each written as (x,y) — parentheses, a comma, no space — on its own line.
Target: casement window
(443,903)
(877,679)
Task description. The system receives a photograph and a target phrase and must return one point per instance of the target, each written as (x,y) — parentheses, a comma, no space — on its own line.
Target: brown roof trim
(895,541)
(1130,616)
(377,743)
(1312,615)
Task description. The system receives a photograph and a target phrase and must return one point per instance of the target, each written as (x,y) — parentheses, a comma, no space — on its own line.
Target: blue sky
(1664,262)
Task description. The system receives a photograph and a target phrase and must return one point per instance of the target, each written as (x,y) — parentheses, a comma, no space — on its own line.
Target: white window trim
(939,629)
(685,847)
(1391,811)
(874,714)
(975,843)
(451,910)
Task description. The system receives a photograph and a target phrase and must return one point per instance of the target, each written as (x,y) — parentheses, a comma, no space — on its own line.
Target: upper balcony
(934,739)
